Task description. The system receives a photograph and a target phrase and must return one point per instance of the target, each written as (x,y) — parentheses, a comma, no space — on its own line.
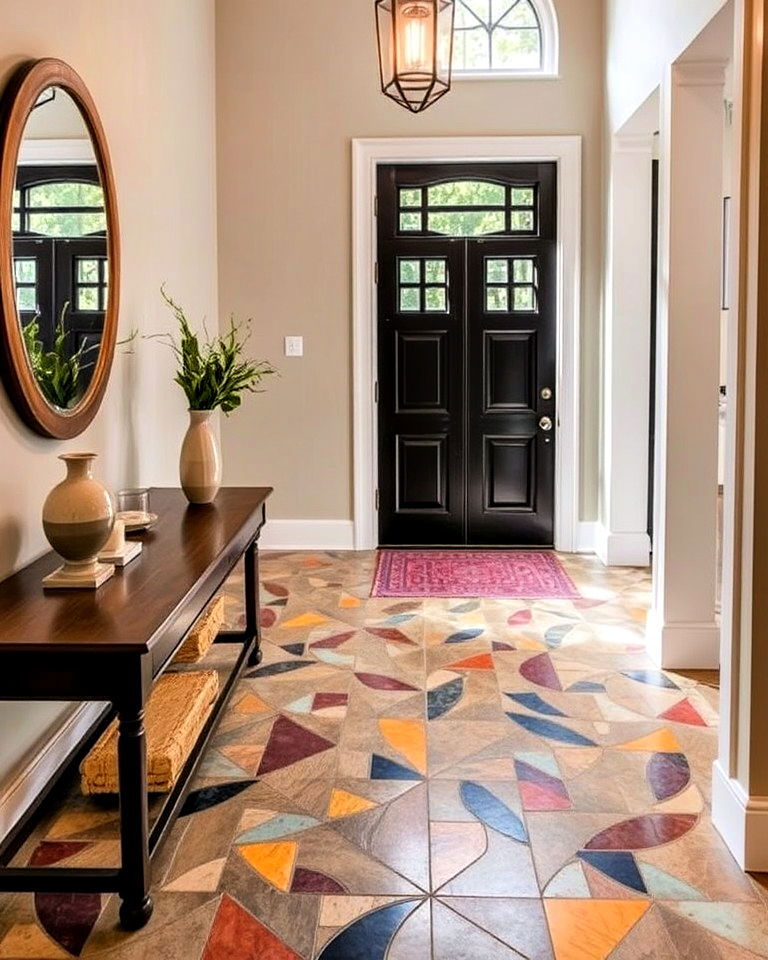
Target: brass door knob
(546,394)
(546,424)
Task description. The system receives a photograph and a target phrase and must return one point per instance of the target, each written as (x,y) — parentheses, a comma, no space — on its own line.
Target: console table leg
(136,907)
(252,607)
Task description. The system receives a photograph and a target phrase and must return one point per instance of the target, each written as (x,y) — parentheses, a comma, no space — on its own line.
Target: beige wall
(150,68)
(296,82)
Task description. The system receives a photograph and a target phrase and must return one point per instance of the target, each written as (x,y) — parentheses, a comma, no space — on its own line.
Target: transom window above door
(495,38)
(468,208)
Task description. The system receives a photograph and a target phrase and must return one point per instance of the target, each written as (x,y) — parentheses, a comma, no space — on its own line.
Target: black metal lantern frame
(415,40)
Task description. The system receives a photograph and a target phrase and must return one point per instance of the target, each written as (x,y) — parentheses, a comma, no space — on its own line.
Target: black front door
(467,354)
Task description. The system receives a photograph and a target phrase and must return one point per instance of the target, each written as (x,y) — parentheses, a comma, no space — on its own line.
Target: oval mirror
(59,250)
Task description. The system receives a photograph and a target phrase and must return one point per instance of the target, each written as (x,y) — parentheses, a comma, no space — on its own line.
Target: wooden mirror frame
(26,85)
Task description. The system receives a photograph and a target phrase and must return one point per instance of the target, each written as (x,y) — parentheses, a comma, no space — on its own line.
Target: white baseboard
(586,536)
(308,535)
(683,646)
(742,821)
(25,785)
(622,549)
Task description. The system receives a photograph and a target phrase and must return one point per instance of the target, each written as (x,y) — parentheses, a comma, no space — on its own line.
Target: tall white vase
(200,461)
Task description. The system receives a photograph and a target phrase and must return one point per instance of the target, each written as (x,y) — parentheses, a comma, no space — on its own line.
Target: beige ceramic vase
(78,517)
(200,461)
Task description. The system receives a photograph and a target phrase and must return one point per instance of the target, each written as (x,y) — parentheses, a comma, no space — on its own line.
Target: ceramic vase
(200,461)
(77,519)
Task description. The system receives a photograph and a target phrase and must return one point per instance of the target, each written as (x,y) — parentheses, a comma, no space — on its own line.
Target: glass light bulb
(416,39)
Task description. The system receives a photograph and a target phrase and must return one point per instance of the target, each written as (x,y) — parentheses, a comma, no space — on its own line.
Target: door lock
(546,424)
(546,394)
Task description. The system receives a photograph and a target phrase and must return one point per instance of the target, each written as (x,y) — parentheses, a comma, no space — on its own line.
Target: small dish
(137,520)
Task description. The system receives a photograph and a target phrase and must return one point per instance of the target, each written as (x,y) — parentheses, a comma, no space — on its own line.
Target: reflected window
(59,208)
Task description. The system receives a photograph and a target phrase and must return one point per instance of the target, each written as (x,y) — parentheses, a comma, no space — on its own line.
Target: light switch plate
(294,346)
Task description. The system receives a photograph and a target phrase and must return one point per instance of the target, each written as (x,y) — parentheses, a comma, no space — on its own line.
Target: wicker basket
(176,712)
(202,635)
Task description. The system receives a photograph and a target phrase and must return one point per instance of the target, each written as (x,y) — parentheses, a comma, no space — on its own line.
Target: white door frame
(367,155)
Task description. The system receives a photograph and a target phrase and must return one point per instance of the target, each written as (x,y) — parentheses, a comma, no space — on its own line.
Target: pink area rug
(514,574)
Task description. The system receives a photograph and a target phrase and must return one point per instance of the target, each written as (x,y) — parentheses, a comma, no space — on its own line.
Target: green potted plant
(214,373)
(59,373)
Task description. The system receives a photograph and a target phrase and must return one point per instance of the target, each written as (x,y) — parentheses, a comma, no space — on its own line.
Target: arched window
(505,37)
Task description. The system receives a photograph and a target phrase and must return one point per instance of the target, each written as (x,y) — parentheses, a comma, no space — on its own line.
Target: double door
(467,354)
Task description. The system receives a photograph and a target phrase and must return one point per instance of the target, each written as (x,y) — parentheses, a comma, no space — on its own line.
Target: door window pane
(410,222)
(410,299)
(497,271)
(434,271)
(423,285)
(410,198)
(435,299)
(26,298)
(470,224)
(511,285)
(497,299)
(467,193)
(410,271)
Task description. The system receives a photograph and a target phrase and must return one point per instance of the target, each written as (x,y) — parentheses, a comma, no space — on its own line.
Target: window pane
(16,222)
(466,193)
(521,15)
(523,271)
(525,298)
(410,299)
(434,271)
(410,271)
(410,198)
(497,271)
(410,221)
(435,299)
(87,298)
(26,298)
(25,270)
(67,224)
(65,195)
(87,270)
(496,298)
(499,35)
(474,224)
(522,196)
(516,50)
(522,220)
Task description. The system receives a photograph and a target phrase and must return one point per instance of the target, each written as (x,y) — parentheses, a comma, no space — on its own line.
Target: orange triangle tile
(347,601)
(591,929)
(250,703)
(409,738)
(305,620)
(483,661)
(246,757)
(273,861)
(344,804)
(237,933)
(661,741)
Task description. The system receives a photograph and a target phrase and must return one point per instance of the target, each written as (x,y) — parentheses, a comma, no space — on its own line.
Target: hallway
(473,780)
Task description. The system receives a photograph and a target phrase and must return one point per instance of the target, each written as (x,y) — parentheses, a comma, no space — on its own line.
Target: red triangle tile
(537,797)
(237,935)
(684,712)
(483,661)
(288,743)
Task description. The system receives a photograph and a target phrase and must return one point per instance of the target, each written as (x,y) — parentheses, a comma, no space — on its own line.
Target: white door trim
(367,155)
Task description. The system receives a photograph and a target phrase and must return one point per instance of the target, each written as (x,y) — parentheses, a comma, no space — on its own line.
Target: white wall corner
(741,820)
(586,536)
(622,549)
(23,787)
(308,535)
(683,646)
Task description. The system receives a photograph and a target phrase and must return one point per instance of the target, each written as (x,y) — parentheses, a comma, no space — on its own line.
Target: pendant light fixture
(415,50)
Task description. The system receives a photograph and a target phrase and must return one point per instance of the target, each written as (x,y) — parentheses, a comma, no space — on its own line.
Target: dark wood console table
(110,644)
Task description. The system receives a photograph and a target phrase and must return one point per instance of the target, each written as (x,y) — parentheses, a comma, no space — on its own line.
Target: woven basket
(176,712)
(202,635)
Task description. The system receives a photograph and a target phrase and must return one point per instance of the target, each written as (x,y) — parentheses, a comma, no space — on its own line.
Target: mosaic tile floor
(457,780)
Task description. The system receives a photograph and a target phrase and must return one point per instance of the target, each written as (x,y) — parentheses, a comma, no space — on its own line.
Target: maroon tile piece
(330,643)
(276,589)
(68,918)
(497,646)
(522,616)
(668,774)
(539,670)
(267,618)
(377,681)
(323,700)
(530,774)
(288,743)
(640,833)
(390,634)
(310,881)
(53,851)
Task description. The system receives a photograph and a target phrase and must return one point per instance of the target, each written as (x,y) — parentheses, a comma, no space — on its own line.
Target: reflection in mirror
(60,262)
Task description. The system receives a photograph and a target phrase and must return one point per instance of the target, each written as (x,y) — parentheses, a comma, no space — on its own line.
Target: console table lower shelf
(109,647)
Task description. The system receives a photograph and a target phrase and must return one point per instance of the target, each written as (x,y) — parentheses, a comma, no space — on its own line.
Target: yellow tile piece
(407,737)
(250,703)
(343,804)
(591,929)
(28,940)
(273,861)
(305,620)
(347,601)
(662,741)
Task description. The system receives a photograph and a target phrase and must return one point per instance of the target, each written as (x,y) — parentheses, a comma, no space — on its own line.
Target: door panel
(466,345)
(512,344)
